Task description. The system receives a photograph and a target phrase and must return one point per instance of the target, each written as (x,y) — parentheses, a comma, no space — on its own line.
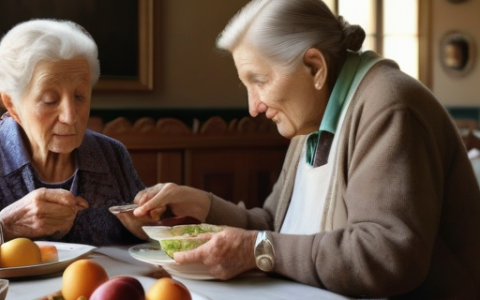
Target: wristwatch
(264,252)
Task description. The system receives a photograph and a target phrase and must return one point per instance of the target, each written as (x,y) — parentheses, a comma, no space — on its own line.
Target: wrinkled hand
(227,254)
(134,224)
(42,213)
(181,200)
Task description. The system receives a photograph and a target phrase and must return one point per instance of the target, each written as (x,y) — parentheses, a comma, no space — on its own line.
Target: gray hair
(283,30)
(31,42)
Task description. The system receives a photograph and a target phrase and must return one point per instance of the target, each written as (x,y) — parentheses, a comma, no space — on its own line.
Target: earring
(318,86)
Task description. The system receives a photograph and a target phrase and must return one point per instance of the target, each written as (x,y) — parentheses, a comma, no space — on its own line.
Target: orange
(81,278)
(168,289)
(19,252)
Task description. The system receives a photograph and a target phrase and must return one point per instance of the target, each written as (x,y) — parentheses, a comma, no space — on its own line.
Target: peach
(48,251)
(81,278)
(19,252)
(168,289)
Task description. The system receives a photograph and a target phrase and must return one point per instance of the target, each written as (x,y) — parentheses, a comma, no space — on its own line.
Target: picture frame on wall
(123,31)
(457,53)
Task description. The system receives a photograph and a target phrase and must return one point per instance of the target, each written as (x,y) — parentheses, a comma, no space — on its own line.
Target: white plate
(152,253)
(67,253)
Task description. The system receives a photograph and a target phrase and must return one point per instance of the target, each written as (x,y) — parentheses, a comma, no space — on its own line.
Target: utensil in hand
(167,219)
(122,208)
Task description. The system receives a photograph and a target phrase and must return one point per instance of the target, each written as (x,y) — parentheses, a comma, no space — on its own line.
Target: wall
(189,72)
(446,16)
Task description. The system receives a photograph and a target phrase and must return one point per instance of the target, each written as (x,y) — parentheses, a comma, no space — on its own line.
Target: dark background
(113,24)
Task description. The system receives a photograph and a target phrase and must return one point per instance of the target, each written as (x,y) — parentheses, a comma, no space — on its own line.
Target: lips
(275,119)
(272,115)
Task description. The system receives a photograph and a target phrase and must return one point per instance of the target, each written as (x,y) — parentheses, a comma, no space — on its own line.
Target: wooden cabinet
(238,174)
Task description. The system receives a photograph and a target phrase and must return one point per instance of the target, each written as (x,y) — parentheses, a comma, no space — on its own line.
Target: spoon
(122,208)
(167,219)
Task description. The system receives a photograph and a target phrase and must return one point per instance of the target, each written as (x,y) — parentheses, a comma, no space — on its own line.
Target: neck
(54,167)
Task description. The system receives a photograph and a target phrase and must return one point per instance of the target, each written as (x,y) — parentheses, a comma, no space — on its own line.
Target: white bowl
(181,237)
(159,233)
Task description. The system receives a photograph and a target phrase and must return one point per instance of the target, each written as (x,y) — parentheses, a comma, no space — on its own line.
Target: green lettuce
(186,237)
(194,230)
(177,245)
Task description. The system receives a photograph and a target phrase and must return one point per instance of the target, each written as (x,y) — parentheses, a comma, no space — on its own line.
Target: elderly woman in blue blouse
(58,179)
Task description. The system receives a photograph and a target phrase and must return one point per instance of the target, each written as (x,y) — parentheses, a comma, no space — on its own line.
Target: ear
(7,102)
(315,60)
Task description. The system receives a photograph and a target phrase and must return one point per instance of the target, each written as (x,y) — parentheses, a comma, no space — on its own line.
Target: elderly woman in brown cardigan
(377,197)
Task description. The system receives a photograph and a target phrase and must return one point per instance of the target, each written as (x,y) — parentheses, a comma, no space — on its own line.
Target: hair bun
(353,35)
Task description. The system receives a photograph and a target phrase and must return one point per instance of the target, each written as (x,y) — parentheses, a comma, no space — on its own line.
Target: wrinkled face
(55,109)
(289,99)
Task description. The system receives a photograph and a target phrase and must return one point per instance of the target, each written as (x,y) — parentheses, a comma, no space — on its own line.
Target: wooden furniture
(238,161)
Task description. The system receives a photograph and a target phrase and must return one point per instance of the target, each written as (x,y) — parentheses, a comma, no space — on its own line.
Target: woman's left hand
(227,254)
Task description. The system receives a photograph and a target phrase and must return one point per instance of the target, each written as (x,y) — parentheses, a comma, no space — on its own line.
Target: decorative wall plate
(457,53)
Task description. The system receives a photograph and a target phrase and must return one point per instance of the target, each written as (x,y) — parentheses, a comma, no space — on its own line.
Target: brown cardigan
(405,218)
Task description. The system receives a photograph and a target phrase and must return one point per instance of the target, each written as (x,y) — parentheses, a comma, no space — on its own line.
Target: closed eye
(79,97)
(50,98)
(257,80)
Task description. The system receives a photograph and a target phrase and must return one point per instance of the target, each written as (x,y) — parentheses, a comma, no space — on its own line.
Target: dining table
(117,260)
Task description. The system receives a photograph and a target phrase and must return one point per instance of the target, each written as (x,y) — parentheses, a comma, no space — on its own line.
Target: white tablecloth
(117,261)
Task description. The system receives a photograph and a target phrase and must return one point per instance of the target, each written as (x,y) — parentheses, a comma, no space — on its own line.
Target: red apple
(119,288)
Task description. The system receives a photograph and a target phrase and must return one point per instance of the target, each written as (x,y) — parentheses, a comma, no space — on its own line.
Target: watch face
(265,262)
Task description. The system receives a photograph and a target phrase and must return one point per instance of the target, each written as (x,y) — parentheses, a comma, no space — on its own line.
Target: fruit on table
(168,289)
(19,252)
(48,251)
(119,288)
(81,278)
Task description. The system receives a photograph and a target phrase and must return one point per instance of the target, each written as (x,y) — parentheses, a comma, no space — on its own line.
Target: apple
(119,288)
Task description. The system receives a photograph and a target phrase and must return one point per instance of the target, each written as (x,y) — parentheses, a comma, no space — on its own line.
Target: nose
(255,105)
(67,112)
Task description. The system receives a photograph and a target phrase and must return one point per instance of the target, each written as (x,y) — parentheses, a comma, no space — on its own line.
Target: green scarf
(354,69)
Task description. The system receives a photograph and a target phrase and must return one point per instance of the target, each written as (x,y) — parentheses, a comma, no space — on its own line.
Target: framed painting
(123,31)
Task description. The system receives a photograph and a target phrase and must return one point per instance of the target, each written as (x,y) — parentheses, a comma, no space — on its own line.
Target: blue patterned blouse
(105,177)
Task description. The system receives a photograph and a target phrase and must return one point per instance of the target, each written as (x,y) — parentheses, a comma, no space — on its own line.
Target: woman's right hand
(181,201)
(41,213)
